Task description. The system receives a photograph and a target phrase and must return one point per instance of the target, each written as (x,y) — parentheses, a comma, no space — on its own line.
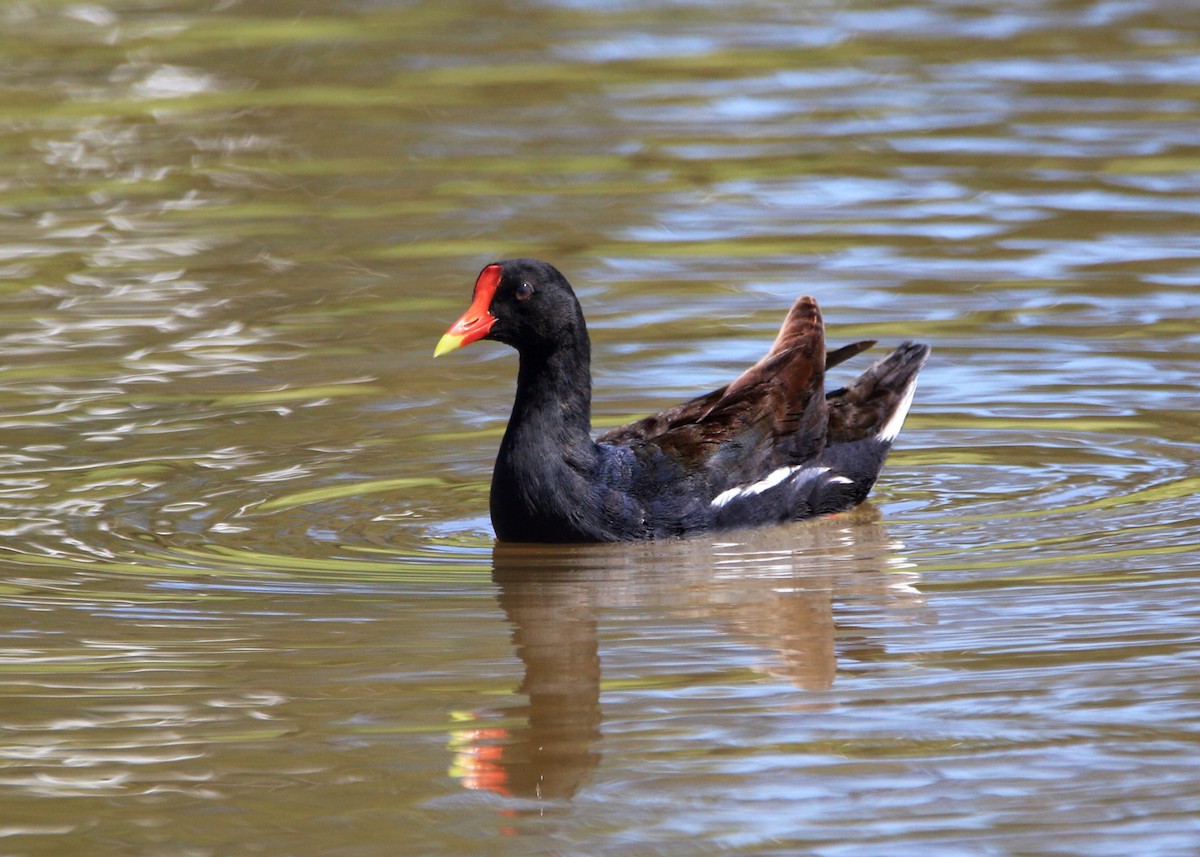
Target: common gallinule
(772,446)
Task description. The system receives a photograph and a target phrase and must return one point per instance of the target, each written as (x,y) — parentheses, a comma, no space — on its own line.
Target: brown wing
(772,412)
(841,355)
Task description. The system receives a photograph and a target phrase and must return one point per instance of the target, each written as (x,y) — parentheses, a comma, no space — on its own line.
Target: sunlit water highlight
(249,596)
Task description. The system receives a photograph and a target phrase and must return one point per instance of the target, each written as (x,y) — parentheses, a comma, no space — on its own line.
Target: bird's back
(770,446)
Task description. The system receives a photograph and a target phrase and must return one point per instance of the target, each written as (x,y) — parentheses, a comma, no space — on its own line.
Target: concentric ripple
(249,594)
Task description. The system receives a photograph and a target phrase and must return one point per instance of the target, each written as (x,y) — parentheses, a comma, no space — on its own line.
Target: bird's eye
(524,292)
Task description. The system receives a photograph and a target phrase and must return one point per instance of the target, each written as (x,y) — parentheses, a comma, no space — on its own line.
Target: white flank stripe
(841,480)
(770,481)
(892,427)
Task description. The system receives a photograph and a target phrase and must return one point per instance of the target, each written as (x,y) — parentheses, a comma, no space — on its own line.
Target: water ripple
(247,570)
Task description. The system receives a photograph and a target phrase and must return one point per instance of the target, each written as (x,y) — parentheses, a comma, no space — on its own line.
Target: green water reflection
(249,597)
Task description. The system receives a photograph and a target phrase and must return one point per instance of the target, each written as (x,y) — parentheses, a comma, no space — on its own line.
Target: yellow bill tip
(448,343)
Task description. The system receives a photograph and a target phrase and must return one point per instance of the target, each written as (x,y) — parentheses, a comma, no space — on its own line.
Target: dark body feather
(769,447)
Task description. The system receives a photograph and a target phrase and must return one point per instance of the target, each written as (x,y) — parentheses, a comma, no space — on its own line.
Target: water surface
(250,600)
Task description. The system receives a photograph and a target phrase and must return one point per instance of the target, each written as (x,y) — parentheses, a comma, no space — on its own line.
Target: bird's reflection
(555,634)
(776,589)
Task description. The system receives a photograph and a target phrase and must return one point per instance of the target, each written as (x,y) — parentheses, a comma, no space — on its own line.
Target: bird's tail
(866,416)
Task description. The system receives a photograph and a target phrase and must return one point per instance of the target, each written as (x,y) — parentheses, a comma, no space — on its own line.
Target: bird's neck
(541,484)
(554,395)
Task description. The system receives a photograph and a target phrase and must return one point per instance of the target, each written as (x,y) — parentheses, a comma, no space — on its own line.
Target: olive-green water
(250,601)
